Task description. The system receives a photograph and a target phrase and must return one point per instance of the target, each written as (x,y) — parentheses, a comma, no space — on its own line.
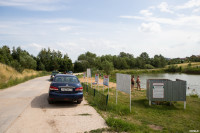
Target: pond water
(193,81)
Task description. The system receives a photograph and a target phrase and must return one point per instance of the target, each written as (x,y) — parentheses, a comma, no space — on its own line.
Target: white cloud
(41,5)
(181,20)
(150,27)
(189,4)
(130,17)
(196,10)
(36,46)
(66,28)
(164,7)
(146,12)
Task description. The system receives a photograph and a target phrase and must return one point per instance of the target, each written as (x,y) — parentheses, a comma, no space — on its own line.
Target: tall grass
(189,69)
(9,76)
(16,81)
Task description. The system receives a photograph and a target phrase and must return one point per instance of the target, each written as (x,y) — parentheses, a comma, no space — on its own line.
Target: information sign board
(158,90)
(106,80)
(96,78)
(89,73)
(124,82)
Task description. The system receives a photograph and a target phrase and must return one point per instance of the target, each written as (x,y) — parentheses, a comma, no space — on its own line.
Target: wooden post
(184,104)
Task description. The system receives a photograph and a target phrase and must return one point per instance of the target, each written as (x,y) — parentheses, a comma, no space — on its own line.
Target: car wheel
(50,102)
(79,101)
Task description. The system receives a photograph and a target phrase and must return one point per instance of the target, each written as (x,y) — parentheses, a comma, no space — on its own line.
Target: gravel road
(24,108)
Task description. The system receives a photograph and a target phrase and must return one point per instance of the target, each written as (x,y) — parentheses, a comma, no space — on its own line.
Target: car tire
(50,102)
(79,101)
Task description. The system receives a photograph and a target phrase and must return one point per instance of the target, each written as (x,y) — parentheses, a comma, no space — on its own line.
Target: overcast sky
(170,27)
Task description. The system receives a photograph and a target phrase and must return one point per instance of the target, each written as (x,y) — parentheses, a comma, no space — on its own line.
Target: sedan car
(53,74)
(65,87)
(70,72)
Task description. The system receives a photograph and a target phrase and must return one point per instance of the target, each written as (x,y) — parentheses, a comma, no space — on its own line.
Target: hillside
(9,76)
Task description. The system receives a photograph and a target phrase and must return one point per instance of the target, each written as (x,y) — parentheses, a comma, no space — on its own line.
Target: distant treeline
(49,60)
(126,61)
(121,61)
(46,60)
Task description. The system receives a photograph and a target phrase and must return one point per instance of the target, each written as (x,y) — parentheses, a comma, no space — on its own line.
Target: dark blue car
(65,87)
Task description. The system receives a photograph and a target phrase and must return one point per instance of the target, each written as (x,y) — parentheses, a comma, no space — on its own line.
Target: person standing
(132,82)
(138,83)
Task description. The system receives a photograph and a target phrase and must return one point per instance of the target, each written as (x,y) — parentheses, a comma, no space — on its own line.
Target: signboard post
(124,85)
(97,80)
(84,77)
(89,75)
(106,83)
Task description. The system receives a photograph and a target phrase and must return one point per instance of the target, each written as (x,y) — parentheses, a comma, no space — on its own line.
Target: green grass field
(144,118)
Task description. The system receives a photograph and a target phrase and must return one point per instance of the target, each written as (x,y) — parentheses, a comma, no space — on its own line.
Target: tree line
(126,61)
(121,61)
(49,60)
(46,60)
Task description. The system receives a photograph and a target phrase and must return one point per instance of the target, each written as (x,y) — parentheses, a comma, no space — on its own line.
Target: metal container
(166,90)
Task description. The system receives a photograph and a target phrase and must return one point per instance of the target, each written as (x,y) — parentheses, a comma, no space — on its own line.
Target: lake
(193,81)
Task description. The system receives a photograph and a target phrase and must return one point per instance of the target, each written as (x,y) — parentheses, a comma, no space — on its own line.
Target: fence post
(184,104)
(107,100)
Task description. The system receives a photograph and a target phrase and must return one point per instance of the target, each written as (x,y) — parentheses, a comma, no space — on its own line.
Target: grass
(10,77)
(84,114)
(186,64)
(167,118)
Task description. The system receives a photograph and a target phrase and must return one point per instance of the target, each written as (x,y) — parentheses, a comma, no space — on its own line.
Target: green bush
(173,69)
(148,66)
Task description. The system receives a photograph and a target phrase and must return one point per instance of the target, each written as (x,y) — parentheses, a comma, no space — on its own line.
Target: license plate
(66,89)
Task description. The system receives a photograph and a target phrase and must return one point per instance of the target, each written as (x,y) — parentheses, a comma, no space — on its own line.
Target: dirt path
(30,111)
(111,84)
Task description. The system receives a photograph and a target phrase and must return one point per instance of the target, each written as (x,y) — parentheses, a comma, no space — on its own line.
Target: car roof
(67,75)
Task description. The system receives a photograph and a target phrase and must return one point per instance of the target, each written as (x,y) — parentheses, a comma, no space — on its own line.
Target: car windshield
(66,79)
(54,73)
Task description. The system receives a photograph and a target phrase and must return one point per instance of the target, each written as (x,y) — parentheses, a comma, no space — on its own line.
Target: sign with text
(97,78)
(124,82)
(84,75)
(158,90)
(106,80)
(89,73)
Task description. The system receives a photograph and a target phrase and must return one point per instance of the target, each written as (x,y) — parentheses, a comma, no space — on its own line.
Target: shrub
(148,66)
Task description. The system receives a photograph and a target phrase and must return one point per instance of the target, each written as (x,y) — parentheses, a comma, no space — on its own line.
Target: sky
(167,27)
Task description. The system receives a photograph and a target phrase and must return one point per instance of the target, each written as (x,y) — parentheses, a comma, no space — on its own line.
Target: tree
(65,64)
(140,63)
(107,67)
(159,61)
(145,57)
(54,60)
(89,58)
(5,55)
(81,66)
